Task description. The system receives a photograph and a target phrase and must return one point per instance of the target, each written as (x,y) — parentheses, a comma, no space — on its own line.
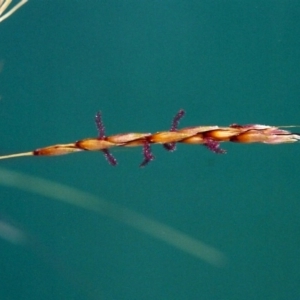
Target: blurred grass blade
(73,196)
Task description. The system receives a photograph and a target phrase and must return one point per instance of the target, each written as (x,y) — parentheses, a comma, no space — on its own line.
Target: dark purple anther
(213,146)
(170,146)
(148,156)
(174,127)
(101,136)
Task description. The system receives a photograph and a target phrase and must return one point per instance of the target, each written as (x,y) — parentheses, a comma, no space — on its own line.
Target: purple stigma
(101,136)
(213,146)
(174,127)
(100,126)
(109,157)
(176,120)
(148,156)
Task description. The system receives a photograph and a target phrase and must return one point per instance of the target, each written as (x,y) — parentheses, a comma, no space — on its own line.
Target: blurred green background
(139,62)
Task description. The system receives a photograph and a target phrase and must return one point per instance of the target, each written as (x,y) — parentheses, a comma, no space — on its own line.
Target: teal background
(139,62)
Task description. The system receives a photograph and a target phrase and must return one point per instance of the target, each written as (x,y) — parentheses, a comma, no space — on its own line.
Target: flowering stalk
(209,136)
